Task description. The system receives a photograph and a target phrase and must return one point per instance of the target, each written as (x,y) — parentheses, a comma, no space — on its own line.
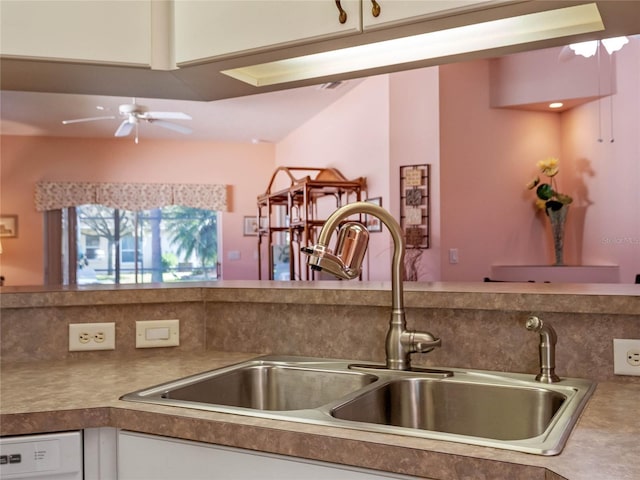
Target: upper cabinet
(88,32)
(210,29)
(387,13)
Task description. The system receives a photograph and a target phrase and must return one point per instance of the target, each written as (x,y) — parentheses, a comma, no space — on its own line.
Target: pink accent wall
(415,140)
(385,122)
(351,135)
(605,176)
(26,160)
(488,155)
(535,77)
(481,157)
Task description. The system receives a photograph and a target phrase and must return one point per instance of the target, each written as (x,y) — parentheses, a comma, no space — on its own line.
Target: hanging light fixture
(586,49)
(614,44)
(589,49)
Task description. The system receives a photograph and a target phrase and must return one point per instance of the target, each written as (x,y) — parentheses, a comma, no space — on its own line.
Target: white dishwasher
(54,456)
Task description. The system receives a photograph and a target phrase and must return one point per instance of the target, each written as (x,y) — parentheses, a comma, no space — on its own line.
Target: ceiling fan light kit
(133,113)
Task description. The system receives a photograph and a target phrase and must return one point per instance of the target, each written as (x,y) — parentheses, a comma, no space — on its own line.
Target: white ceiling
(267,117)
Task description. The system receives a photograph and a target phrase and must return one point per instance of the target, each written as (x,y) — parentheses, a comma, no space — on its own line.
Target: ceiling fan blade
(124,129)
(88,119)
(165,116)
(171,126)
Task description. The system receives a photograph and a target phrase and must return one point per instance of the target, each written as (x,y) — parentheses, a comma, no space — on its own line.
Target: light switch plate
(157,333)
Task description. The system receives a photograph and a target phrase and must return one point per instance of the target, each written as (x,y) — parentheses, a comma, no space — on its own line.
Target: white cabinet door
(396,12)
(95,31)
(208,29)
(143,457)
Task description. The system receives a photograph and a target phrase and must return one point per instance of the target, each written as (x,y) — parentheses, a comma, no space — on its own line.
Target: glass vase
(557,219)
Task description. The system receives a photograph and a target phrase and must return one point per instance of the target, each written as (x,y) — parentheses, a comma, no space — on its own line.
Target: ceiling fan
(134,113)
(592,47)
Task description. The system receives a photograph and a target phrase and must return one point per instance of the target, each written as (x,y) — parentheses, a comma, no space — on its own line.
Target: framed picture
(8,226)
(415,205)
(372,223)
(251,225)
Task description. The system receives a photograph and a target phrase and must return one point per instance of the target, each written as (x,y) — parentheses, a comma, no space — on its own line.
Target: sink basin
(269,387)
(502,410)
(264,385)
(479,410)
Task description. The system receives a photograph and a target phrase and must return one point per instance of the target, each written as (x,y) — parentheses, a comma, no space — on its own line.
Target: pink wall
(487,157)
(605,175)
(533,77)
(385,122)
(415,140)
(351,135)
(482,158)
(26,160)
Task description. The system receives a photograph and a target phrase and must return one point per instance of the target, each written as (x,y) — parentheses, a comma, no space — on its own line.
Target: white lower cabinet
(147,457)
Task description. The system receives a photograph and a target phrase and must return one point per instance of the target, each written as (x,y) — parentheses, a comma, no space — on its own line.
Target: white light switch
(157,333)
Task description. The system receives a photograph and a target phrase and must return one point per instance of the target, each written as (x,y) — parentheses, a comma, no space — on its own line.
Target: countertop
(72,394)
(601,298)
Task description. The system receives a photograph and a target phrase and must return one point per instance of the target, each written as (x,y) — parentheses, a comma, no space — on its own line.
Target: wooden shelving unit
(295,207)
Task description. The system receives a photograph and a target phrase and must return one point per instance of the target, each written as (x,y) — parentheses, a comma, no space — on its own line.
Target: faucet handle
(422,342)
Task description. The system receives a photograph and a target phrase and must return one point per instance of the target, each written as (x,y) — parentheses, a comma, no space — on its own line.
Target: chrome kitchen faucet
(346,262)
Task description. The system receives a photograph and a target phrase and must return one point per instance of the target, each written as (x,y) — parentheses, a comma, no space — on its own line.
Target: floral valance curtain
(129,196)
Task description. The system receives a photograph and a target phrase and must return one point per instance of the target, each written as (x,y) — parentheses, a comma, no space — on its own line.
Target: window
(92,247)
(170,244)
(128,251)
(117,233)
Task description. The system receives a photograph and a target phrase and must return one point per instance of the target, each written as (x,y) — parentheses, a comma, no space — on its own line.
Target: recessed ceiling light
(556,105)
(469,38)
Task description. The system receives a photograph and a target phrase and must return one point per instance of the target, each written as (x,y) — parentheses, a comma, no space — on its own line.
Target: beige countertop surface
(526,297)
(37,397)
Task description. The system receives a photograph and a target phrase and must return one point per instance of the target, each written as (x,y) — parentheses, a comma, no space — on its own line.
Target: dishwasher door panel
(55,456)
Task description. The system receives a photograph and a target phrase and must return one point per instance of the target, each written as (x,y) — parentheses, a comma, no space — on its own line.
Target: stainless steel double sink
(495,409)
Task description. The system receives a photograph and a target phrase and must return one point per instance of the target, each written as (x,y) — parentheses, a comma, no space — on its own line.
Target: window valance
(129,196)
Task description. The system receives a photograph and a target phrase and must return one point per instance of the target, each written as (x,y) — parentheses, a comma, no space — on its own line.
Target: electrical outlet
(633,358)
(92,336)
(626,356)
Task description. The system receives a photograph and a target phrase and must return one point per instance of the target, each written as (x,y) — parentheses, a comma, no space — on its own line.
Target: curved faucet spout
(396,234)
(400,342)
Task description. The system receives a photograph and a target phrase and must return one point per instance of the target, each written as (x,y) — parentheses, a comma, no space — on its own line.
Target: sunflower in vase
(548,197)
